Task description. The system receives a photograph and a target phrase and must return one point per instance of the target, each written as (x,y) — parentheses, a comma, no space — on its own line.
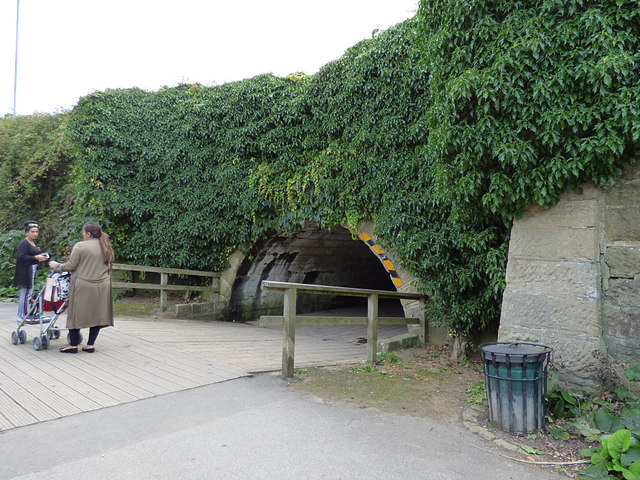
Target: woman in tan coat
(90,301)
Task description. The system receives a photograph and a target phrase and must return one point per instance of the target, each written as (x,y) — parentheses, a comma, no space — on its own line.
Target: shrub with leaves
(620,452)
(440,130)
(8,248)
(35,163)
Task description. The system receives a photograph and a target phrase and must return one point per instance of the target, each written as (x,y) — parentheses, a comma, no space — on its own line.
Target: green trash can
(516,384)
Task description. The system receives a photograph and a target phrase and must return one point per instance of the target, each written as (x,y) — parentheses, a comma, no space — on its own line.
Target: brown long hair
(95,230)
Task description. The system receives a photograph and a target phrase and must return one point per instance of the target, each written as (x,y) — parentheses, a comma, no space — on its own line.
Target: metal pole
(15,70)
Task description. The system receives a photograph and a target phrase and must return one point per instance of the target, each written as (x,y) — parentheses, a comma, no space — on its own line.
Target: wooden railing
(290,319)
(164,285)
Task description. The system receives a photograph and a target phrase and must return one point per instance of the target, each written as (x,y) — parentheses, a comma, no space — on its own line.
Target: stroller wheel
(14,337)
(22,335)
(37,343)
(45,342)
(56,333)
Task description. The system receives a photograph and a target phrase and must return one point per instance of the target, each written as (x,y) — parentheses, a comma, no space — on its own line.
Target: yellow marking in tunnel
(388,264)
(377,249)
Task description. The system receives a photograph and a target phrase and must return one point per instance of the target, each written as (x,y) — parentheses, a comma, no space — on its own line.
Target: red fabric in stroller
(56,291)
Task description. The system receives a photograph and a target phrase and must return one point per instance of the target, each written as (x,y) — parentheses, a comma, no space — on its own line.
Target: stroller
(44,311)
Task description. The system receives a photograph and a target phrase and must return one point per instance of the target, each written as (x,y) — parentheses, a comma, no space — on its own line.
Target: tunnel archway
(314,256)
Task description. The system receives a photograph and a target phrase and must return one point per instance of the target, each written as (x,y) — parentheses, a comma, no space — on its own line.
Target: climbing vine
(440,129)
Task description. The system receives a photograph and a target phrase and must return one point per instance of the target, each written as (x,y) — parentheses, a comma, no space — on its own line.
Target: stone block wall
(573,278)
(621,268)
(553,293)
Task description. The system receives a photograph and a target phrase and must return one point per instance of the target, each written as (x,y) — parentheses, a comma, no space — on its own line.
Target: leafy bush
(616,414)
(620,452)
(8,248)
(569,411)
(35,162)
(440,129)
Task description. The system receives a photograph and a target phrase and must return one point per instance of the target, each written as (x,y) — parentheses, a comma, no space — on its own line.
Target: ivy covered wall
(440,130)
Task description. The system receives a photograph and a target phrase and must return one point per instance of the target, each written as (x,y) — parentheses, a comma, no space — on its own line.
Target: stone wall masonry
(228,276)
(562,314)
(621,224)
(621,318)
(553,291)
(571,279)
(554,243)
(622,261)
(621,265)
(573,354)
(573,282)
(579,213)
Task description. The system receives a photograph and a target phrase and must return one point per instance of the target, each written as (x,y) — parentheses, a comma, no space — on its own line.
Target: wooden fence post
(164,281)
(423,324)
(289,332)
(372,328)
(164,285)
(372,320)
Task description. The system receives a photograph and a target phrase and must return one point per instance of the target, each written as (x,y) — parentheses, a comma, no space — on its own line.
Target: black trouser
(74,336)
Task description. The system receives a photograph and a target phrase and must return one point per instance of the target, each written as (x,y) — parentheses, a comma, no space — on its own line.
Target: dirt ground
(422,382)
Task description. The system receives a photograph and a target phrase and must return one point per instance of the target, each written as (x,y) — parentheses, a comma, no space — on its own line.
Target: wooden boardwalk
(141,358)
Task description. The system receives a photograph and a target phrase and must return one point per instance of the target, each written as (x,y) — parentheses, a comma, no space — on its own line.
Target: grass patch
(477,393)
(415,381)
(135,309)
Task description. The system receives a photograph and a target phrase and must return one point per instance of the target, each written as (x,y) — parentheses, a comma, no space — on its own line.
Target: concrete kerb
(398,342)
(470,421)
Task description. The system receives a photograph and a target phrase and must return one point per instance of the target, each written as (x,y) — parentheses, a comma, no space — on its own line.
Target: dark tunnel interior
(311,256)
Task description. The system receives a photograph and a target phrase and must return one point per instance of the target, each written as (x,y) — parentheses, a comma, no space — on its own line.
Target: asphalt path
(251,428)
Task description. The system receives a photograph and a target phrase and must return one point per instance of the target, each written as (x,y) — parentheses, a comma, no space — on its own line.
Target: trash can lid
(501,350)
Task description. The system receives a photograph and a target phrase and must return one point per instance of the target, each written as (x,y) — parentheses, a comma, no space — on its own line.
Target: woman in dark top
(27,261)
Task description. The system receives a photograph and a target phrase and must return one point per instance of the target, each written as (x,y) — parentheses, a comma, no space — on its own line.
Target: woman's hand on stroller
(53,264)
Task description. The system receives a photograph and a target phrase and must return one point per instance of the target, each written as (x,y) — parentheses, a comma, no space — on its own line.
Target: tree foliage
(439,129)
(35,162)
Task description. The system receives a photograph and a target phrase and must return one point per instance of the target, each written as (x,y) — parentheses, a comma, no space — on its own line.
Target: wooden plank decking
(141,358)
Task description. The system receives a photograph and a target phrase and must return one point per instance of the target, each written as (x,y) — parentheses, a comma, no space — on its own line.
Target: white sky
(69,48)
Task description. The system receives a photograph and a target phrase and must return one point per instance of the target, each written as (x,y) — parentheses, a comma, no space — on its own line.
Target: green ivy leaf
(559,434)
(618,444)
(531,450)
(605,420)
(593,472)
(582,425)
(633,473)
(631,456)
(633,373)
